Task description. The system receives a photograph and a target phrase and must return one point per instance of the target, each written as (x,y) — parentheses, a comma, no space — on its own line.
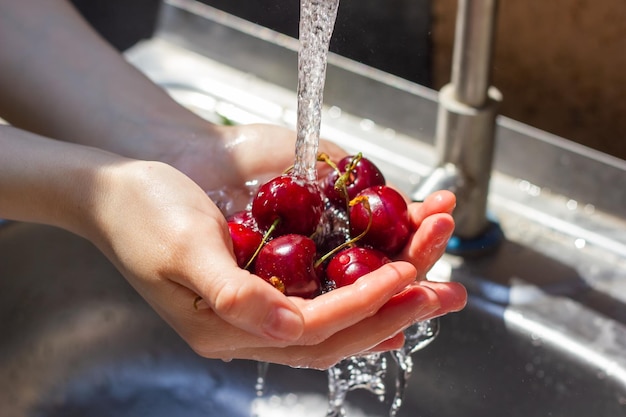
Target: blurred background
(560,64)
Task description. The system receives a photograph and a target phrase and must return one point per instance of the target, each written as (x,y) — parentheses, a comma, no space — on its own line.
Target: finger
(452,296)
(394,343)
(235,295)
(438,202)
(406,308)
(248,302)
(428,243)
(204,331)
(341,308)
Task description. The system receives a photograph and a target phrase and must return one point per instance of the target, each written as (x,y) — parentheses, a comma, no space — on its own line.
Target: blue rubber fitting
(484,244)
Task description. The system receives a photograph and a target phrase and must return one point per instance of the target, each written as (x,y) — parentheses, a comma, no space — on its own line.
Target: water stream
(317,20)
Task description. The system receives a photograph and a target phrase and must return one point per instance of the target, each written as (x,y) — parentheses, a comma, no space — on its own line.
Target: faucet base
(483,244)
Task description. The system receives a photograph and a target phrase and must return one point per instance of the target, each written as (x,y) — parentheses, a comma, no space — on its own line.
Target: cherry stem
(341,184)
(323,157)
(357,200)
(266,237)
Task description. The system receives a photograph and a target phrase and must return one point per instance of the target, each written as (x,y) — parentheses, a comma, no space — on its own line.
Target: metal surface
(465,136)
(473,51)
(544,333)
(465,140)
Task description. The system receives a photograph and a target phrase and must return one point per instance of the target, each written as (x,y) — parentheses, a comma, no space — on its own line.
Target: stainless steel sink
(544,333)
(78,341)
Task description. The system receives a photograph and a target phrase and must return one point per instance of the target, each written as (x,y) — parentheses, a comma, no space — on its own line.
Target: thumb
(248,302)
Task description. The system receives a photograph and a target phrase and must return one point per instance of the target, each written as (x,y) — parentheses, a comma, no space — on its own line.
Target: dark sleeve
(121,22)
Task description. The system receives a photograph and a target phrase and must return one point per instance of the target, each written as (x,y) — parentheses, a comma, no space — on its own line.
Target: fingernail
(283,324)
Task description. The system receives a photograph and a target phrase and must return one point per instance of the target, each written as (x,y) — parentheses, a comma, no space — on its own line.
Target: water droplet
(529,188)
(580,243)
(334,112)
(571,204)
(389,133)
(535,191)
(524,185)
(367,124)
(589,209)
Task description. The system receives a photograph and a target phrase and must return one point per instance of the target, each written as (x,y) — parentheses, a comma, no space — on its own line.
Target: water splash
(233,199)
(262,368)
(357,372)
(317,19)
(368,372)
(416,337)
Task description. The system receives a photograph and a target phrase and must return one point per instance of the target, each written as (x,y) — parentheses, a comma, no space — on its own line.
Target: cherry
(352,263)
(287,262)
(358,224)
(390,226)
(246,241)
(356,173)
(292,204)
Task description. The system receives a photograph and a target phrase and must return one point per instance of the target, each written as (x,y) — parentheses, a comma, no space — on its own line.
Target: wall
(392,35)
(560,64)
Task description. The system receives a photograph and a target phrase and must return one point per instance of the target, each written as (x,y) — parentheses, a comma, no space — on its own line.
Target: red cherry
(352,263)
(363,174)
(295,202)
(246,241)
(287,262)
(390,228)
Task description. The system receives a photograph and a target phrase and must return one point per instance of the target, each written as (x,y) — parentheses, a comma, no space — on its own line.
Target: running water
(416,337)
(317,19)
(358,372)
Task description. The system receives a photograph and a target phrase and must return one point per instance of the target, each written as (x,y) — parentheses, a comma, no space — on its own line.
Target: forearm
(51,182)
(58,78)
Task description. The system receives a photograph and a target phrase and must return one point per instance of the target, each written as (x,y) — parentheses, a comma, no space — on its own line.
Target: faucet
(465,134)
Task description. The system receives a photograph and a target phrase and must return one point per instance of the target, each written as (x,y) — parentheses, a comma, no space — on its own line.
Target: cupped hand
(228,156)
(172,244)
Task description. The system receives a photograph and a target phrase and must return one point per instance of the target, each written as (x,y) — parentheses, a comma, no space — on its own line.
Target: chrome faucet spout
(473,52)
(465,135)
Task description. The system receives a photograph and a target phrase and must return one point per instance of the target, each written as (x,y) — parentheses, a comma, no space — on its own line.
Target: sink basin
(544,332)
(78,341)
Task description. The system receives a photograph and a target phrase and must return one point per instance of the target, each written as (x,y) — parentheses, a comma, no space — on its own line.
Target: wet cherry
(352,263)
(287,262)
(358,173)
(296,204)
(390,226)
(246,241)
(365,224)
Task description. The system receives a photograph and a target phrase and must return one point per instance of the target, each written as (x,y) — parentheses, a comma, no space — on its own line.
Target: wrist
(50,182)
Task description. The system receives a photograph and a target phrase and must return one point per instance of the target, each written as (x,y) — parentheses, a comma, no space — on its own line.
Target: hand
(172,244)
(226,156)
